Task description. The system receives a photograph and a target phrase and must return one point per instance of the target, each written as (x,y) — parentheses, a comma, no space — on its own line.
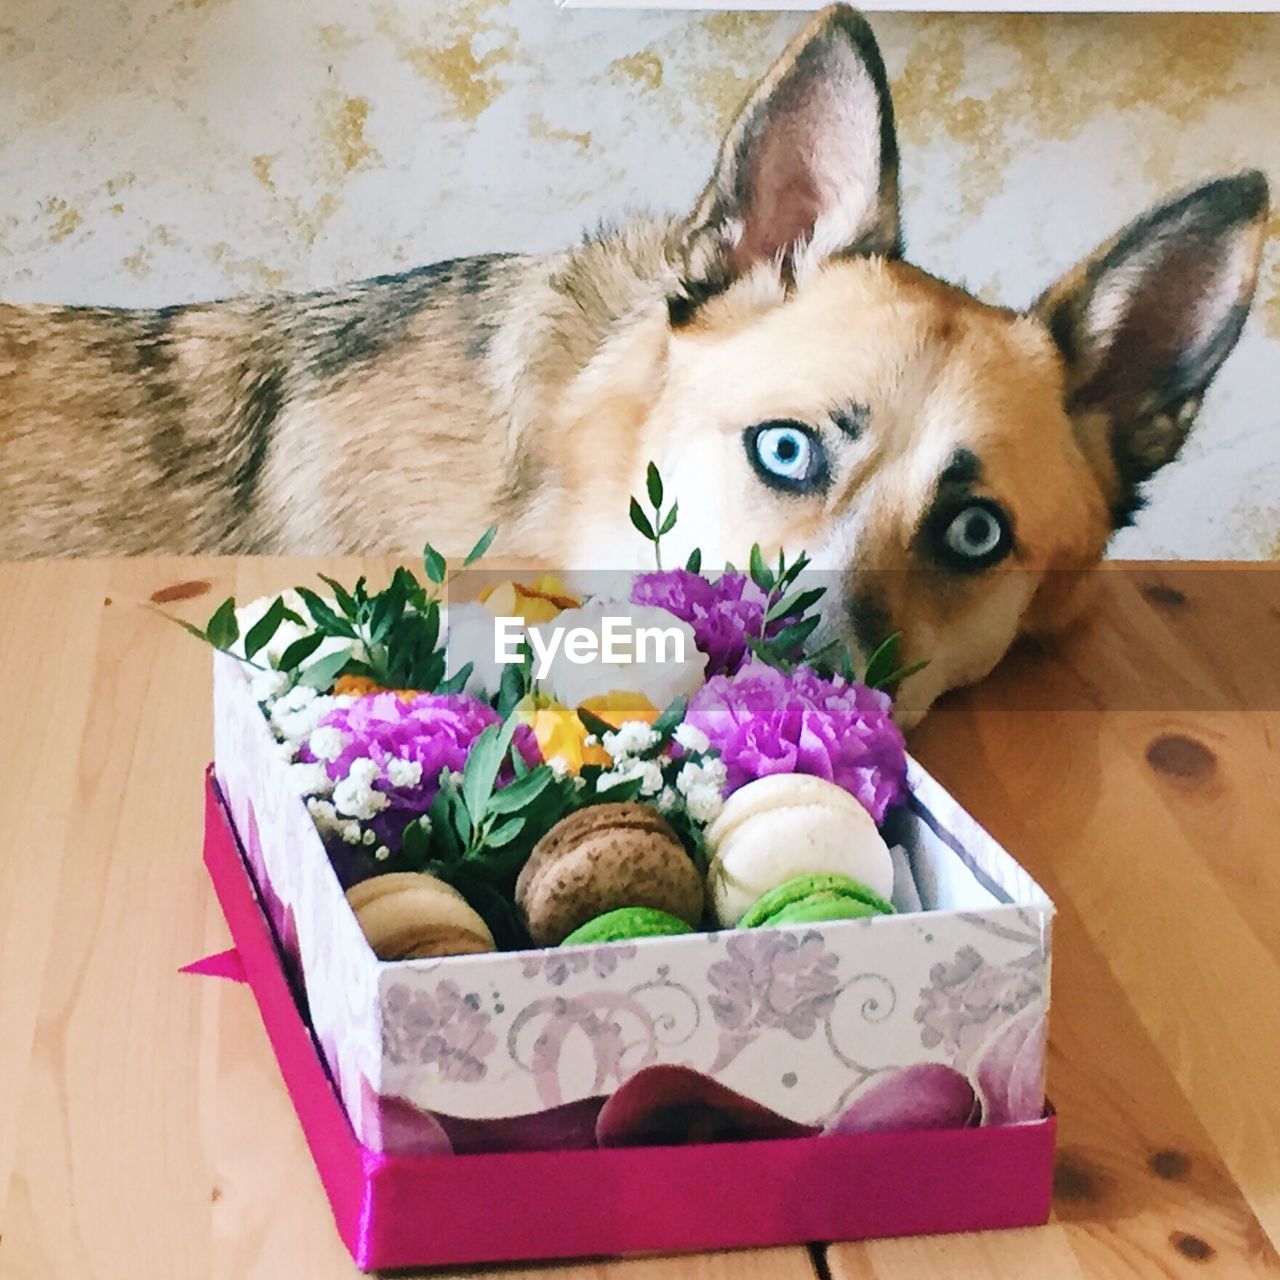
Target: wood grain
(1131,766)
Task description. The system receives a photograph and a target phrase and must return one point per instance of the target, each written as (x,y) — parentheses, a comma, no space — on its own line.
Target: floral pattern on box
(935,1017)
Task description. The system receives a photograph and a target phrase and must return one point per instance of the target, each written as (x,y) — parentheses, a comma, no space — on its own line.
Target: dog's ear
(808,171)
(1144,324)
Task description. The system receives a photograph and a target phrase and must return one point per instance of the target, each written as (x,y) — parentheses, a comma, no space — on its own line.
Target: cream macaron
(408,915)
(787,825)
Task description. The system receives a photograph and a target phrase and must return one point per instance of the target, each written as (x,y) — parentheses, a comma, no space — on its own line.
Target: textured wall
(157,152)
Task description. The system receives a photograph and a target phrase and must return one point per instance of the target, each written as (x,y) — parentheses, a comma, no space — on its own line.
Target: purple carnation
(722,613)
(765,721)
(435,731)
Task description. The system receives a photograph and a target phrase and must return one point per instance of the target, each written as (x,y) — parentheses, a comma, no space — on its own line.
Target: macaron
(408,915)
(787,825)
(626,924)
(600,858)
(814,899)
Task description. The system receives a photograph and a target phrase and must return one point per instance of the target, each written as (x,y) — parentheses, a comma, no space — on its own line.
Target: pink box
(429,1210)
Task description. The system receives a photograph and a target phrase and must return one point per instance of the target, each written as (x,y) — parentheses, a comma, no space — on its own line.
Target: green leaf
(593,723)
(883,662)
(450,825)
(787,574)
(341,595)
(188,626)
(511,688)
(504,833)
(653,483)
(765,652)
(223,629)
(523,791)
(323,616)
(483,762)
(415,844)
(792,638)
(387,610)
(457,682)
(299,651)
(670,522)
(761,574)
(794,604)
(322,674)
(641,521)
(482,545)
(898,676)
(434,563)
(671,716)
(694,562)
(266,626)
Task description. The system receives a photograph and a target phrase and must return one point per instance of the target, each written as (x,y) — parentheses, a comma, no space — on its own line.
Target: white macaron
(787,825)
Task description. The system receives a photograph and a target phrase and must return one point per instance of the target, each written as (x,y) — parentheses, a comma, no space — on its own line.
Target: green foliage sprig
(661,523)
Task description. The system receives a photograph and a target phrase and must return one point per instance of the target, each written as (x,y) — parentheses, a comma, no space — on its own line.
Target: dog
(958,467)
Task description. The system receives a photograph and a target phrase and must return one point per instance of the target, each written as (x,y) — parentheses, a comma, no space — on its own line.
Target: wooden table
(1133,767)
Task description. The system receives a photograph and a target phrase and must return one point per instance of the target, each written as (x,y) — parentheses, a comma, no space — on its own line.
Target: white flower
(295,720)
(667,800)
(703,803)
(403,773)
(265,685)
(692,739)
(327,742)
(324,815)
(309,779)
(699,773)
(672,665)
(471,633)
(558,765)
(355,798)
(364,771)
(382,853)
(649,771)
(350,832)
(370,836)
(631,738)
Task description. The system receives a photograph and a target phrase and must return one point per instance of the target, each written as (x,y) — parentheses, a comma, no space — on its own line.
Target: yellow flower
(561,734)
(617,706)
(359,686)
(534,604)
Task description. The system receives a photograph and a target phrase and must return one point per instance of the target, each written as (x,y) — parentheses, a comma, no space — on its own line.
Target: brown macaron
(601,858)
(408,915)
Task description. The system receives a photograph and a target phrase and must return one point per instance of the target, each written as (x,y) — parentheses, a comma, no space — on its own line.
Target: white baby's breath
(692,739)
(403,773)
(630,739)
(309,779)
(327,743)
(354,797)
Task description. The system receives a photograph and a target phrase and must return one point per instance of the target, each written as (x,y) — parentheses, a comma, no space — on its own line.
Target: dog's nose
(867,616)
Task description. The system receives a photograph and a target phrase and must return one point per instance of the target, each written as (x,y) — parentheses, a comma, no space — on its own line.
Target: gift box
(865,1077)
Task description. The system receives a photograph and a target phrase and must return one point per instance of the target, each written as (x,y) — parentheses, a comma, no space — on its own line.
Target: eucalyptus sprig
(787,603)
(657,526)
(392,637)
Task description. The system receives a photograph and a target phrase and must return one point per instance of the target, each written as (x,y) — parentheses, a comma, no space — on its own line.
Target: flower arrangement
(468,773)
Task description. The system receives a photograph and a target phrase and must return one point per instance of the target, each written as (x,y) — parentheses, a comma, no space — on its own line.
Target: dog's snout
(867,616)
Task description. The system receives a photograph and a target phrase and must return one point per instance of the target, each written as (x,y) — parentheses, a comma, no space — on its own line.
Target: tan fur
(532,392)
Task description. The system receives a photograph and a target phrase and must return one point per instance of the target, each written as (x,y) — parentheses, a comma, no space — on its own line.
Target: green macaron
(625,924)
(814,899)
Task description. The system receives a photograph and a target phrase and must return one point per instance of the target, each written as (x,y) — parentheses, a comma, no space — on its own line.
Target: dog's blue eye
(976,536)
(787,456)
